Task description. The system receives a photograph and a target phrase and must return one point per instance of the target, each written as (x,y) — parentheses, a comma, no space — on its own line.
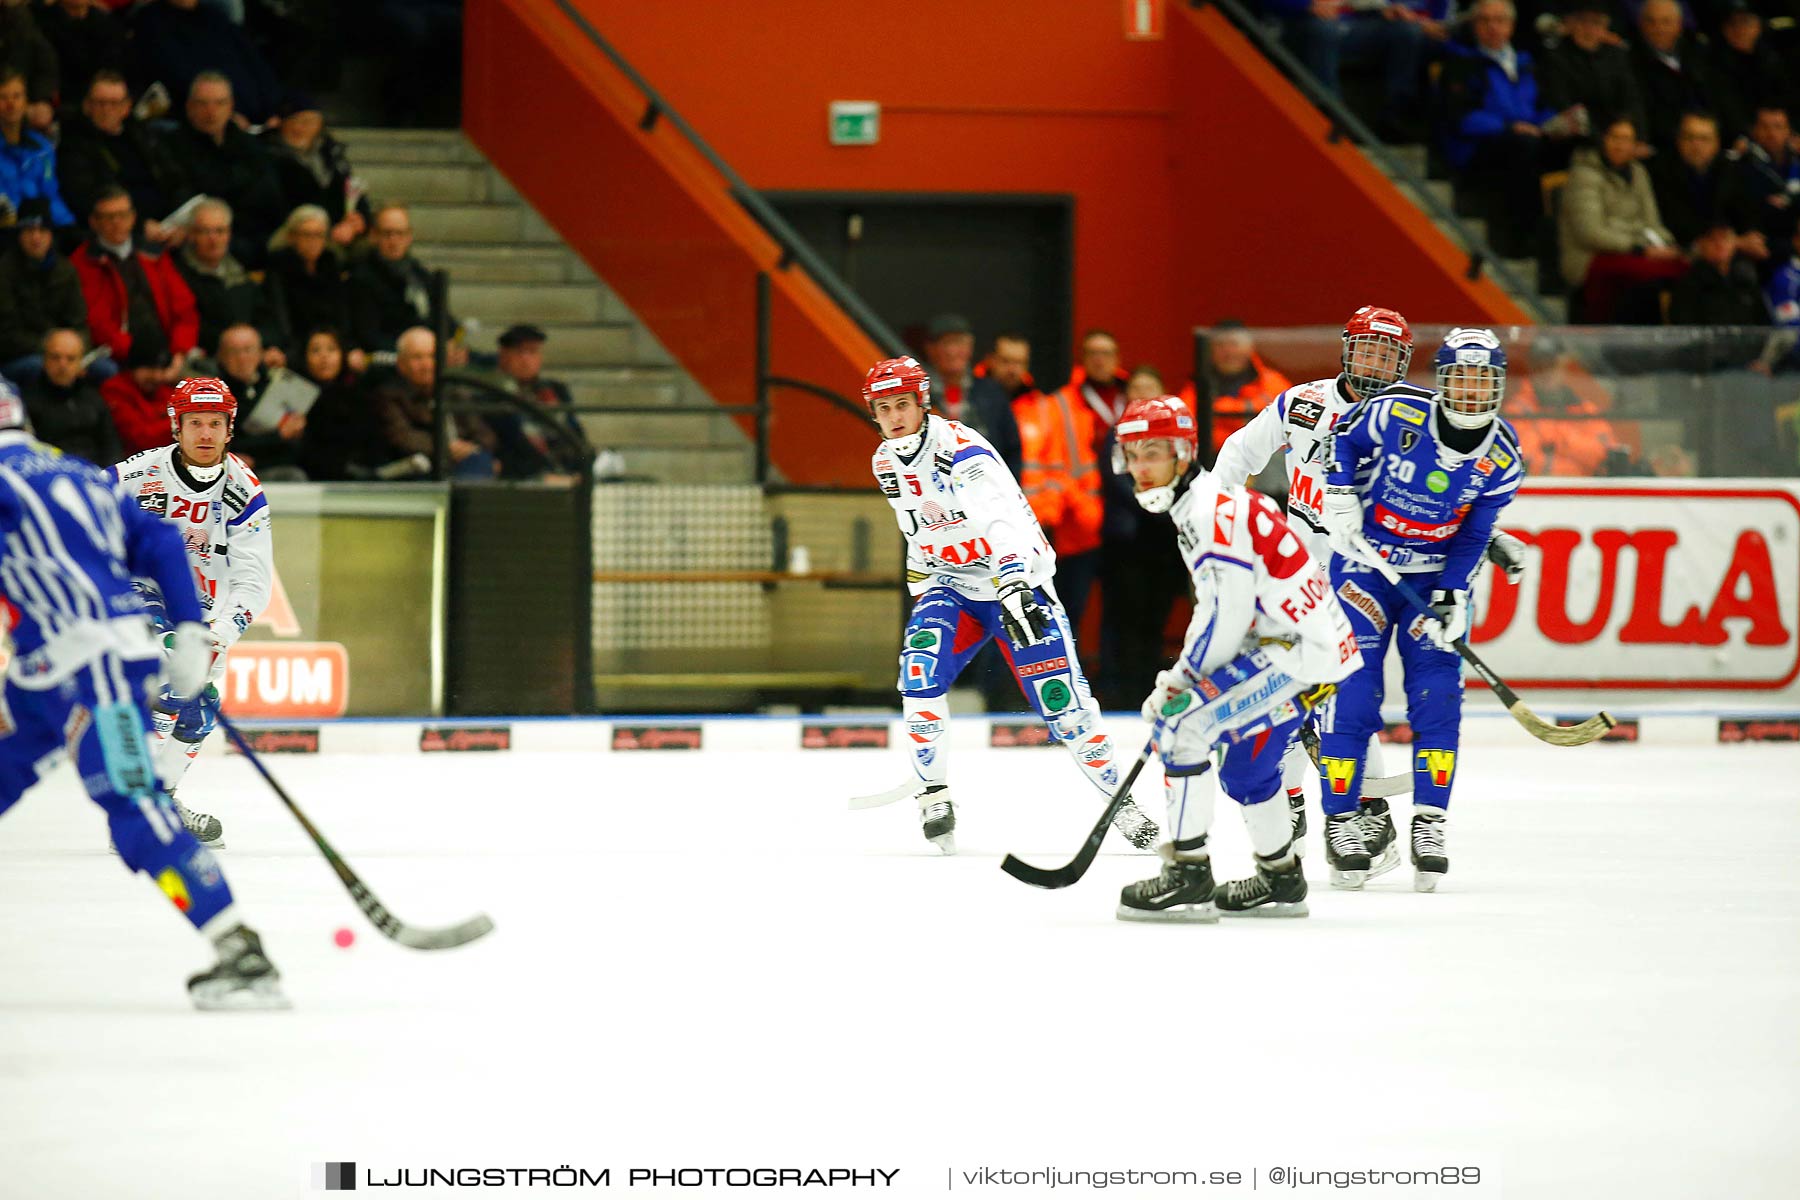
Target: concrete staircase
(1523,269)
(507,265)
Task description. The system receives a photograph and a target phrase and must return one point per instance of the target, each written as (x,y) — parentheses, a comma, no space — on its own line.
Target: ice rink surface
(706,960)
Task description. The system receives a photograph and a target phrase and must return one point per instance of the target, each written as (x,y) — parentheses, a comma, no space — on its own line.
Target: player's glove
(1508,553)
(1169,684)
(1026,622)
(190,659)
(1452,609)
(1342,516)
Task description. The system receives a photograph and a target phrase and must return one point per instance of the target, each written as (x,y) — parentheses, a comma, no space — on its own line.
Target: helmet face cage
(1374,361)
(1470,392)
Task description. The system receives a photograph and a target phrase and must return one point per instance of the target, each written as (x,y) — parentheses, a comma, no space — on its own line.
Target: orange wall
(1201,181)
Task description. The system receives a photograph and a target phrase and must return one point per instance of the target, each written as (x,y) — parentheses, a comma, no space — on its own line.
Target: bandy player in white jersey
(1267,640)
(980,568)
(218,504)
(1377,350)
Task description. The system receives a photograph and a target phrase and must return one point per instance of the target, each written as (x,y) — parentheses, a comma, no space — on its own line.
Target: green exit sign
(855,122)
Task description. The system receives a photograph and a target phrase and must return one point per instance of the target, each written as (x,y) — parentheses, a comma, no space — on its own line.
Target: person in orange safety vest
(1241,384)
(1062,435)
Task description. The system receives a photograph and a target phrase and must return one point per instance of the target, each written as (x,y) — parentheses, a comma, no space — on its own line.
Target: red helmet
(896,375)
(201,394)
(1157,417)
(1386,344)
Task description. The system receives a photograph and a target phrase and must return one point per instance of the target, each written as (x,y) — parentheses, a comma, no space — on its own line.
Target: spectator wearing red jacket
(143,313)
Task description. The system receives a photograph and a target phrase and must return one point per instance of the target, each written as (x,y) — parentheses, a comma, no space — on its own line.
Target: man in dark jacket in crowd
(39,291)
(65,405)
(224,161)
(1002,378)
(105,146)
(390,290)
(1720,288)
(1589,68)
(178,41)
(1747,72)
(1764,187)
(404,408)
(87,38)
(1673,72)
(223,291)
(956,394)
(1690,186)
(24,49)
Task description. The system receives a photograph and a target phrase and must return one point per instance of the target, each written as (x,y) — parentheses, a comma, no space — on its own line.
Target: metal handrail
(1343,121)
(793,248)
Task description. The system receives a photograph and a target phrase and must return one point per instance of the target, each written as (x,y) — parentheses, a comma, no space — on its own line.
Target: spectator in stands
(140,309)
(1783,297)
(1590,69)
(39,291)
(1061,437)
(404,408)
(1690,185)
(306,279)
(87,39)
(178,42)
(224,292)
(273,405)
(1499,126)
(342,438)
(949,354)
(1559,415)
(1614,244)
(390,290)
(1748,73)
(1394,37)
(23,49)
(1002,380)
(313,168)
(223,161)
(1237,381)
(1672,72)
(65,405)
(27,159)
(548,443)
(1141,575)
(1721,288)
(105,146)
(1764,187)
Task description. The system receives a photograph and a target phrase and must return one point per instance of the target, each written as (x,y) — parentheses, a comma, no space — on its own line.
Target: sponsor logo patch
(656,737)
(1759,729)
(1437,765)
(1408,413)
(1437,481)
(174,888)
(279,741)
(1337,774)
(1484,466)
(1055,695)
(1007,734)
(1306,412)
(925,639)
(1027,670)
(844,737)
(1363,603)
(458,738)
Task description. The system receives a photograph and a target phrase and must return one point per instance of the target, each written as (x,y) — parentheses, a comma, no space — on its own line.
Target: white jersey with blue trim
(1299,422)
(1255,583)
(224,525)
(962,513)
(1427,506)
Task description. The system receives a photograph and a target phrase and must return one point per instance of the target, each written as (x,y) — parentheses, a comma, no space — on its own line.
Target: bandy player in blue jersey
(1418,477)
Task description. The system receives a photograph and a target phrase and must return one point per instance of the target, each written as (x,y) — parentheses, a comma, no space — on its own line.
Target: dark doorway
(1005,263)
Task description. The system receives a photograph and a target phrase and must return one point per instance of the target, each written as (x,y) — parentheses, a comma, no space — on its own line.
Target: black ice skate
(1297,811)
(1430,863)
(1274,891)
(1182,892)
(1378,835)
(205,827)
(1137,828)
(937,817)
(1345,852)
(243,978)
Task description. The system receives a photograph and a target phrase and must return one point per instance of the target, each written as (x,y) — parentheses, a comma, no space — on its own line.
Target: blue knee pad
(149,836)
